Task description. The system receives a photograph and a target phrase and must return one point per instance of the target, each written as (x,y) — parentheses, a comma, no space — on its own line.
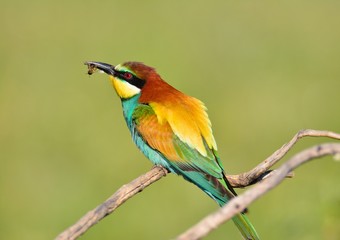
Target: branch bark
(118,198)
(248,178)
(127,191)
(237,204)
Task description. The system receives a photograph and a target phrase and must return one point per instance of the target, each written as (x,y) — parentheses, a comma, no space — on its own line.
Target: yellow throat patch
(123,88)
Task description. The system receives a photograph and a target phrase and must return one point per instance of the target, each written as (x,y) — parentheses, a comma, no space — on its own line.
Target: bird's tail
(221,191)
(245,227)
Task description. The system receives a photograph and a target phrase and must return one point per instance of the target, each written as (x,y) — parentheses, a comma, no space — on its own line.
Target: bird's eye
(127,75)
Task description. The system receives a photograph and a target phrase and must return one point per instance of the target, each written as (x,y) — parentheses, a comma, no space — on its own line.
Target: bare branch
(118,198)
(237,204)
(248,178)
(129,190)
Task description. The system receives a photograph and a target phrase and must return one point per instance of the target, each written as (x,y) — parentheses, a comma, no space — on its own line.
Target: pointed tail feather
(221,191)
(245,227)
(240,220)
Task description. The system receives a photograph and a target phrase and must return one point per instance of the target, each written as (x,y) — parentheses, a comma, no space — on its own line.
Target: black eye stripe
(132,79)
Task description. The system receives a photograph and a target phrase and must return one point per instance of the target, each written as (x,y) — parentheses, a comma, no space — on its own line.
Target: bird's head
(128,78)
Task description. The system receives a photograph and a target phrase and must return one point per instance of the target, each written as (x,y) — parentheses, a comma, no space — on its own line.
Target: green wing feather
(206,172)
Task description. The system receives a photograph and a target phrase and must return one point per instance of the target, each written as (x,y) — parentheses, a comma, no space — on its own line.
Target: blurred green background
(264,69)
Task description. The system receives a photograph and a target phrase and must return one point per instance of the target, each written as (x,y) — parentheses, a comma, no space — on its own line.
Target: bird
(172,130)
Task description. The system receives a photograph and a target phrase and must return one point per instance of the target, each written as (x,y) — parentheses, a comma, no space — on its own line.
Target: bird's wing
(175,137)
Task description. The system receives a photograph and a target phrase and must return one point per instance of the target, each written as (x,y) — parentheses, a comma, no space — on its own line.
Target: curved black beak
(105,67)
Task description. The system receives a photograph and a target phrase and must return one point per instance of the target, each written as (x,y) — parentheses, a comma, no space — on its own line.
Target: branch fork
(264,178)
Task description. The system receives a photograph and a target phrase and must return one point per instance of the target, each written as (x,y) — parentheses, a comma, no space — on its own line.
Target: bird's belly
(154,156)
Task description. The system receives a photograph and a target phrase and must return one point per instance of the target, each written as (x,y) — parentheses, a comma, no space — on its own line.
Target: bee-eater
(172,130)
